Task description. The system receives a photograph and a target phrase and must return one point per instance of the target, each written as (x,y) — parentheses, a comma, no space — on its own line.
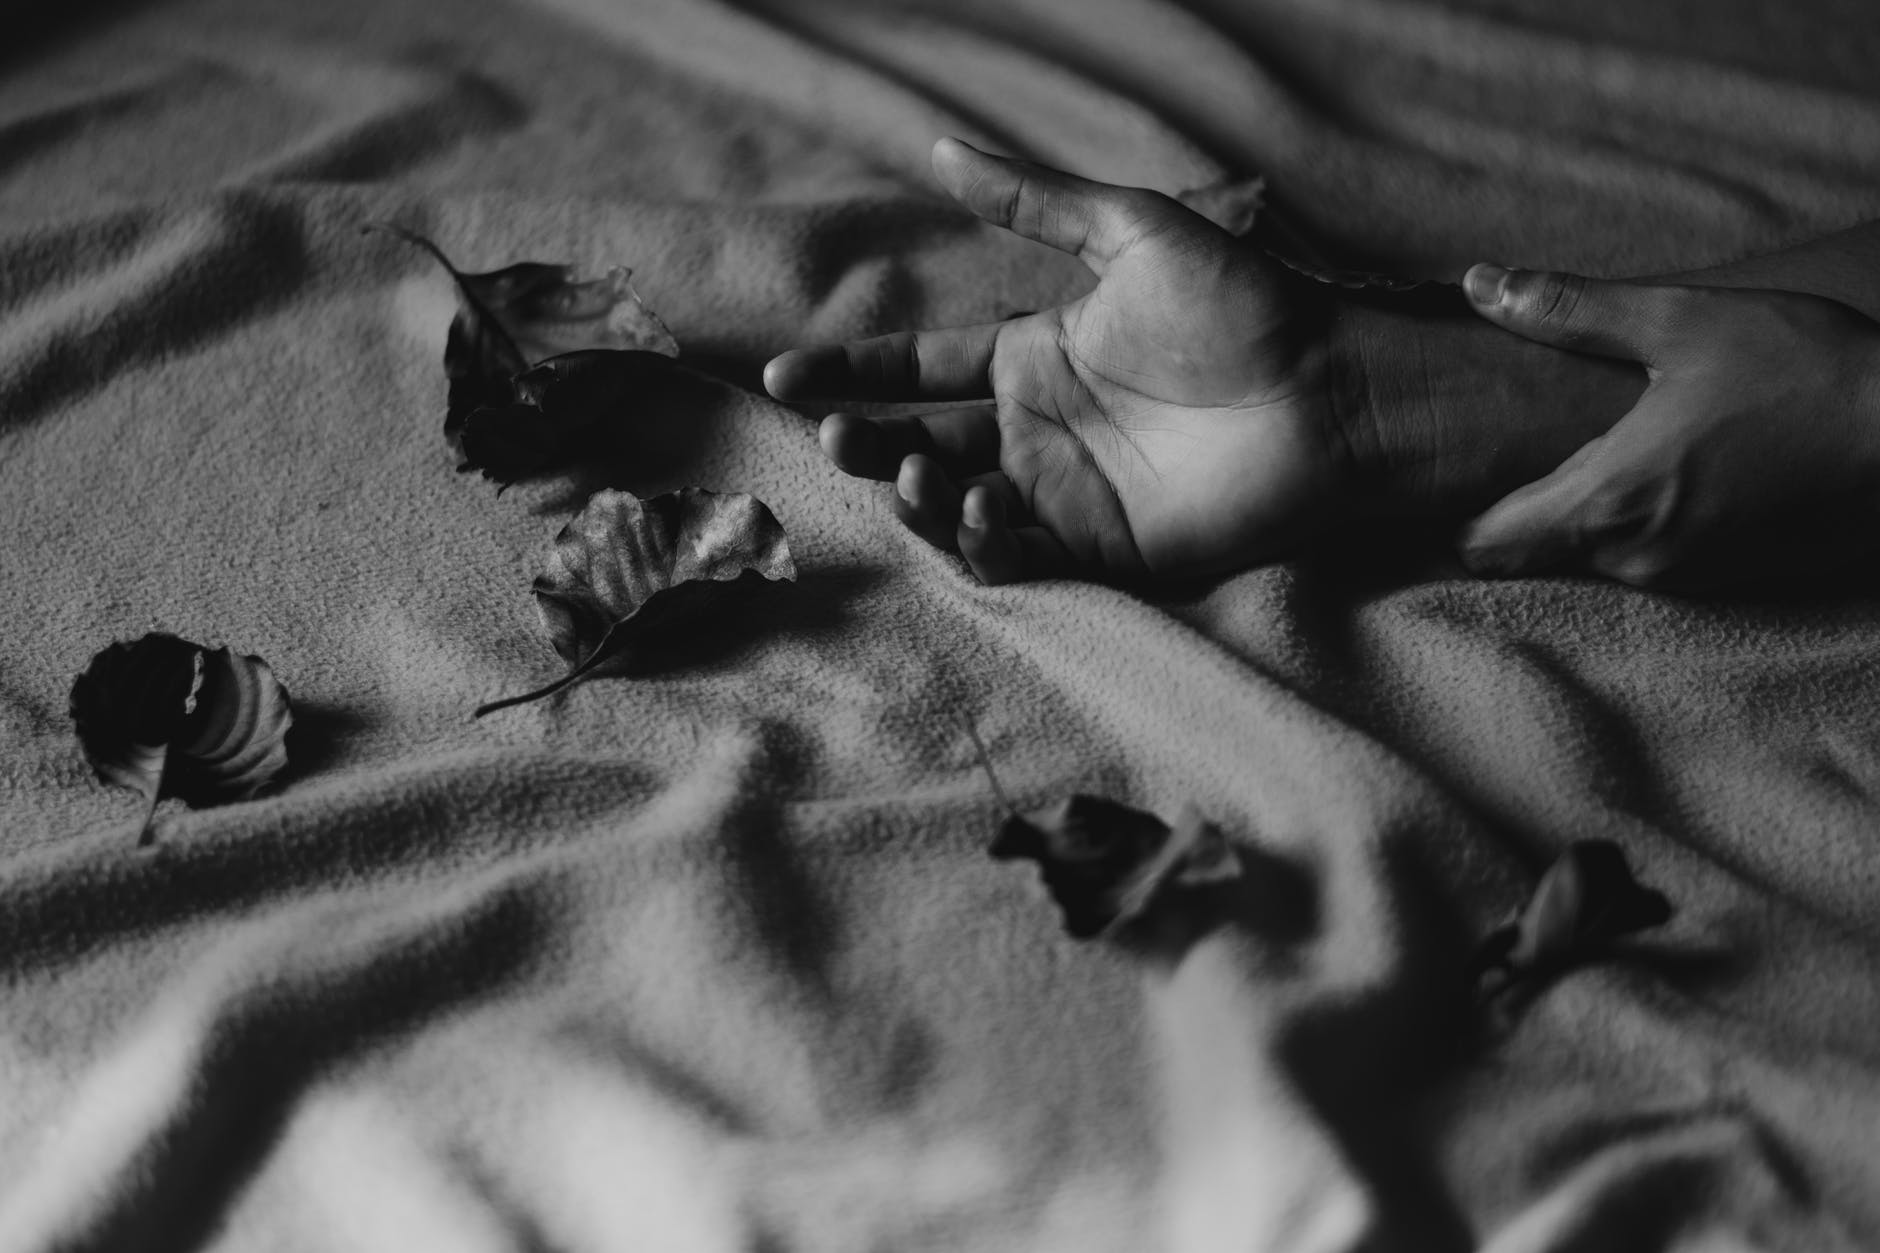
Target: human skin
(1202,410)
(1754,452)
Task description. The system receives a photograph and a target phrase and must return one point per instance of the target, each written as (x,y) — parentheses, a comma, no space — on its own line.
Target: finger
(998,552)
(963,441)
(927,501)
(1093,221)
(1612,319)
(1017,513)
(948,364)
(1537,528)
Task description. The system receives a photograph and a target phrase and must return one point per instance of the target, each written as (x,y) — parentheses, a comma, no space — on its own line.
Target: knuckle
(911,363)
(1629,532)
(1015,197)
(878,361)
(1805,320)
(1671,311)
(1724,324)
(1134,214)
(1555,300)
(1603,515)
(1138,205)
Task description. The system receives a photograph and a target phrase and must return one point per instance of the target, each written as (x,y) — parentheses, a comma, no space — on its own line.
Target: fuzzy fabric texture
(713,958)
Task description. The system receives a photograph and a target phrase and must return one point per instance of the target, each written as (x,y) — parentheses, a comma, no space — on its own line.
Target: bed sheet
(713,958)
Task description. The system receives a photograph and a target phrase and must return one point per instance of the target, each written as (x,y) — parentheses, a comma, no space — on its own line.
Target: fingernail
(1485,283)
(973,513)
(773,375)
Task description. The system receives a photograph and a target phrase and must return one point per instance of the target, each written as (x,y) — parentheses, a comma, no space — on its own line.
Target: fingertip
(986,540)
(950,150)
(1519,535)
(924,483)
(907,479)
(1609,317)
(982,508)
(853,443)
(1488,561)
(927,501)
(1484,548)
(952,159)
(1486,284)
(783,375)
(831,435)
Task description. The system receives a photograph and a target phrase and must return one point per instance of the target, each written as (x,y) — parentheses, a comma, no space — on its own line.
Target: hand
(1754,451)
(1175,420)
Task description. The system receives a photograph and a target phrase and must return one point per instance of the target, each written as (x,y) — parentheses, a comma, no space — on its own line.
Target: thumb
(1535,528)
(1093,221)
(1612,319)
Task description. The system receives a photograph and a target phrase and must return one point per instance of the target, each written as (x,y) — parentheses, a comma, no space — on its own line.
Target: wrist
(1385,370)
(1444,413)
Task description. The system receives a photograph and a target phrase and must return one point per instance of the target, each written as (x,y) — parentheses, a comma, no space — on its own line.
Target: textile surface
(713,957)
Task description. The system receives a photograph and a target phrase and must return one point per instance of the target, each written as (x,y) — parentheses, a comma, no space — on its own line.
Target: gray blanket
(712,957)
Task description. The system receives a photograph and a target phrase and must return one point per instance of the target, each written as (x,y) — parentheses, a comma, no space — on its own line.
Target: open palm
(1176,419)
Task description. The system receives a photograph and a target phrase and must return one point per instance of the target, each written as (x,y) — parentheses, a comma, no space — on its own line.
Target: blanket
(712,957)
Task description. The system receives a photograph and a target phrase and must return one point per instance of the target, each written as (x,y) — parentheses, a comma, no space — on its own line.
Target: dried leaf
(625,572)
(1233,205)
(1106,864)
(1240,207)
(1587,899)
(561,406)
(511,319)
(1290,245)
(165,717)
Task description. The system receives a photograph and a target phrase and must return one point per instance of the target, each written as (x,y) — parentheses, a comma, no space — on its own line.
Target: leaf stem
(412,237)
(985,760)
(593,659)
(146,830)
(458,279)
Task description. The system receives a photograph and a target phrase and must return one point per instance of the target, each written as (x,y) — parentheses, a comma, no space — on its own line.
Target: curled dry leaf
(1106,864)
(165,717)
(561,407)
(1233,205)
(1240,207)
(513,319)
(625,572)
(1587,899)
